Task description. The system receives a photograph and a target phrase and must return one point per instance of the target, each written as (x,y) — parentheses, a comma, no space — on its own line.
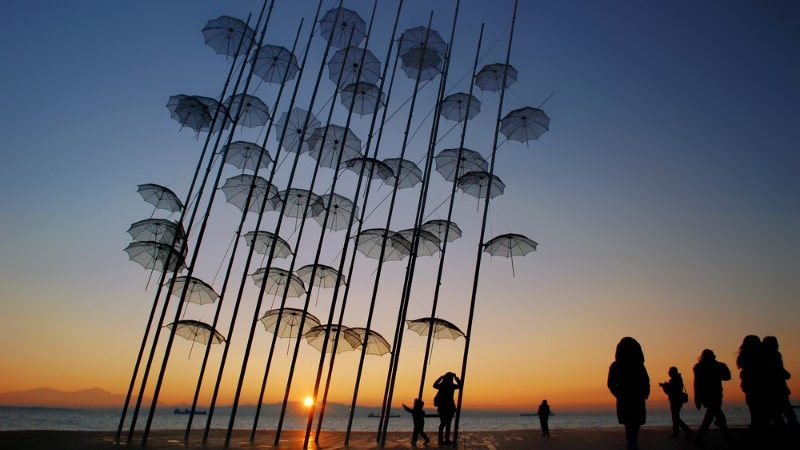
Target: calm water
(12,418)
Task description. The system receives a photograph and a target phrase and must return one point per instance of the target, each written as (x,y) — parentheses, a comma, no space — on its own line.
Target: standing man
(544,415)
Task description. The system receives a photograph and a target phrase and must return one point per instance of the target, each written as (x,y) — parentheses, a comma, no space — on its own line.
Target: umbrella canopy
(154,255)
(237,188)
(197,290)
(365,98)
(324,276)
(325,144)
(190,112)
(338,24)
(422,37)
(245,156)
(296,200)
(429,243)
(459,107)
(218,110)
(410,174)
(442,329)
(490,77)
(224,34)
(354,65)
(160,197)
(197,331)
(262,241)
(253,113)
(158,230)
(452,160)
(439,228)
(339,213)
(376,344)
(477,184)
(423,62)
(297,131)
(348,339)
(289,322)
(370,242)
(276,279)
(275,63)
(510,245)
(366,165)
(524,124)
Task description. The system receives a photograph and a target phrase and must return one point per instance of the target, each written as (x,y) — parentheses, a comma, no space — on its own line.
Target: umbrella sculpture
(439,227)
(275,64)
(379,169)
(477,184)
(365,98)
(454,107)
(411,174)
(197,291)
(524,124)
(190,112)
(464,160)
(275,281)
(341,208)
(376,344)
(290,319)
(160,197)
(416,38)
(245,156)
(154,255)
(325,145)
(423,62)
(510,245)
(158,230)
(225,33)
(348,339)
(324,277)
(296,200)
(196,331)
(346,66)
(338,23)
(250,110)
(263,240)
(218,110)
(429,243)
(370,242)
(442,329)
(490,77)
(295,124)
(237,189)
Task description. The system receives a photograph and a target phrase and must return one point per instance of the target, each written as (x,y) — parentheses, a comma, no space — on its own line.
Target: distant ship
(378,415)
(188,411)
(528,414)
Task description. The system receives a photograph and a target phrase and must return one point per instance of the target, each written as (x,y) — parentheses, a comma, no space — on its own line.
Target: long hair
(749,351)
(629,351)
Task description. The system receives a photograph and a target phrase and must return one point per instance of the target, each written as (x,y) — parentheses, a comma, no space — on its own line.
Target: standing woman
(445,403)
(629,383)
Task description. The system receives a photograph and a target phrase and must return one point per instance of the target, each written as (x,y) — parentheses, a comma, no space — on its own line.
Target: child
(418,415)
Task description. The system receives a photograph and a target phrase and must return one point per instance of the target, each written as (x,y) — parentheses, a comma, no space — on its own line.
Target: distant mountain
(54,398)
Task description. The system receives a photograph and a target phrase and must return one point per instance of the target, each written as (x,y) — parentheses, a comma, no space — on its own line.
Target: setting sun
(308,401)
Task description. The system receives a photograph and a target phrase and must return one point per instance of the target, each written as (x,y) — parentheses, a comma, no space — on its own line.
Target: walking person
(778,404)
(629,383)
(418,416)
(708,377)
(544,415)
(751,364)
(445,403)
(676,393)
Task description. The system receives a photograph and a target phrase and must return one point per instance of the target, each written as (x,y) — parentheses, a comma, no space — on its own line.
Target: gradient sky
(664,197)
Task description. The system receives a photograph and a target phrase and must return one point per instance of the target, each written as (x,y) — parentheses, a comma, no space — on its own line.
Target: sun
(308,401)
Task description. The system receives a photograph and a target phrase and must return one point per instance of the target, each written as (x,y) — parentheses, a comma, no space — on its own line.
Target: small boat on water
(188,411)
(373,415)
(528,414)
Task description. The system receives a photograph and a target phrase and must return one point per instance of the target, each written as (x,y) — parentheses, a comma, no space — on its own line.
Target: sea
(33,418)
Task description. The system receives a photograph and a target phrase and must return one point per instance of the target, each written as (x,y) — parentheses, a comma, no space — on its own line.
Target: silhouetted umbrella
(510,245)
(245,155)
(415,38)
(454,107)
(410,175)
(365,165)
(325,147)
(154,255)
(338,24)
(289,323)
(442,329)
(370,242)
(429,243)
(477,184)
(277,279)
(439,227)
(354,65)
(224,34)
(423,62)
(159,230)
(160,197)
(339,213)
(274,63)
(524,124)
(366,98)
(296,119)
(218,110)
(490,77)
(237,188)
(253,113)
(296,200)
(348,339)
(198,291)
(263,240)
(376,344)
(448,161)
(190,112)
(324,276)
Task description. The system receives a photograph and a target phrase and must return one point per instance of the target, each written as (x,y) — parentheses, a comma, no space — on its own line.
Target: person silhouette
(418,416)
(446,386)
(676,393)
(750,362)
(777,391)
(544,414)
(629,383)
(708,377)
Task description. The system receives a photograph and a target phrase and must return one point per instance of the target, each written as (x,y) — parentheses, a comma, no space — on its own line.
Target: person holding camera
(445,403)
(676,393)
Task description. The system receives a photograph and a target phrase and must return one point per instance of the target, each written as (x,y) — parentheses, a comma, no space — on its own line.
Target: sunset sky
(664,197)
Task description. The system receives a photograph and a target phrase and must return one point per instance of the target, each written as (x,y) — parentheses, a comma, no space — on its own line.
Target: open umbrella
(218,110)
(510,245)
(245,155)
(237,188)
(477,184)
(160,197)
(429,243)
(376,344)
(422,37)
(348,339)
(354,65)
(371,241)
(262,242)
(274,63)
(464,160)
(154,255)
(158,230)
(296,129)
(340,209)
(423,62)
(442,329)
(365,98)
(275,281)
(439,227)
(338,24)
(410,174)
(296,200)
(225,33)
(325,146)
(490,77)
(324,277)
(524,124)
(253,113)
(190,112)
(366,165)
(197,331)
(198,291)
(455,107)
(290,319)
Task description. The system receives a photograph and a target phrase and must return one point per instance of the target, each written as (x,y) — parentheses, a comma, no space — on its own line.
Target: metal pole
(468,335)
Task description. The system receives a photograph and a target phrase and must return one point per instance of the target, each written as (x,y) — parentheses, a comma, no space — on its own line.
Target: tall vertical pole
(468,335)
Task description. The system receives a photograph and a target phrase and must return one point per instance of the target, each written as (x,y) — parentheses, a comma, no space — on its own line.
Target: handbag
(684,396)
